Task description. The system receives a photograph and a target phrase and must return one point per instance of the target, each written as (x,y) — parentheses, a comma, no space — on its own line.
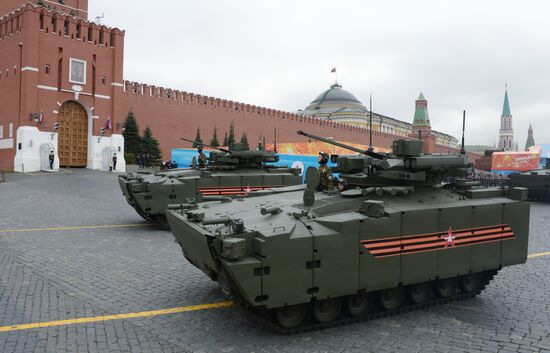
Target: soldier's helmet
(323,158)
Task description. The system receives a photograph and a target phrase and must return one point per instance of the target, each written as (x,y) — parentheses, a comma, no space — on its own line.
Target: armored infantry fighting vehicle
(536,181)
(395,240)
(228,174)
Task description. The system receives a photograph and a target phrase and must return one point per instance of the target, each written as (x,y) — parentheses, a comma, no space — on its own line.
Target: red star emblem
(449,239)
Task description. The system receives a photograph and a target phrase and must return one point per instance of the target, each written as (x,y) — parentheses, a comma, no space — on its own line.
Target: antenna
(462,150)
(370,123)
(275,140)
(99,18)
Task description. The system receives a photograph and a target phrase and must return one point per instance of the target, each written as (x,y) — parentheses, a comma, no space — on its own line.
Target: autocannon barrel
(343,145)
(205,145)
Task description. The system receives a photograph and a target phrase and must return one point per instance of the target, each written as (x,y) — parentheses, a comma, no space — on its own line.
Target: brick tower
(421,128)
(506,132)
(57,69)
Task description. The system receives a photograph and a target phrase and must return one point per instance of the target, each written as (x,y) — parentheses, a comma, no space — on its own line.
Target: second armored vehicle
(536,181)
(229,173)
(396,239)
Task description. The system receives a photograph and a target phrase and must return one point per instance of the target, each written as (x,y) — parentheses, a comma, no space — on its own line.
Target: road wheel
(446,287)
(359,304)
(327,310)
(391,298)
(470,283)
(290,316)
(420,292)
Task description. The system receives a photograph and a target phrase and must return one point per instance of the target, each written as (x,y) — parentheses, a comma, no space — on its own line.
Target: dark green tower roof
(530,139)
(506,105)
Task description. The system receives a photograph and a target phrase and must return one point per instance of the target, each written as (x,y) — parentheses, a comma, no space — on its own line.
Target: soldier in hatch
(325,181)
(202,157)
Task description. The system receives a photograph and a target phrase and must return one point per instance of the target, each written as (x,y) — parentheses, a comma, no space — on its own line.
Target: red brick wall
(181,115)
(10,76)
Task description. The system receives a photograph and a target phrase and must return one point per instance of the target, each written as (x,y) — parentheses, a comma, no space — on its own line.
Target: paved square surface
(112,263)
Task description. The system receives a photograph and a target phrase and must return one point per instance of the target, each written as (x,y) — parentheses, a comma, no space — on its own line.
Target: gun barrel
(205,145)
(336,143)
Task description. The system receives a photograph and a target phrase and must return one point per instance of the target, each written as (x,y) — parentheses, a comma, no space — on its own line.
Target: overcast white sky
(279,53)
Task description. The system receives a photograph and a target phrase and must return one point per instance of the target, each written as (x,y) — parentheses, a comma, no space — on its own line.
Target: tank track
(264,319)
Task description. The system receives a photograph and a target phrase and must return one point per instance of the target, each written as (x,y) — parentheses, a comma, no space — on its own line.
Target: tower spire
(506,105)
(506,132)
(530,139)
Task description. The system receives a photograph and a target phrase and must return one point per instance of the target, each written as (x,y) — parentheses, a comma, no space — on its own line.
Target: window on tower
(54,23)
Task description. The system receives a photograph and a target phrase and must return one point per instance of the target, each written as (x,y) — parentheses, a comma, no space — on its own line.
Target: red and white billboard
(517,161)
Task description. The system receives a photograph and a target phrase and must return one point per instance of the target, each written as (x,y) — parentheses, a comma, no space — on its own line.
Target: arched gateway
(73,135)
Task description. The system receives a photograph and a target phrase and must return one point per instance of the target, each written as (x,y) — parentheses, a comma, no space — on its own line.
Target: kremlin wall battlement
(172,114)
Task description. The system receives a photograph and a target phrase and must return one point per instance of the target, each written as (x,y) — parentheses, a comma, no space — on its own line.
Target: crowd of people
(485,179)
(488,179)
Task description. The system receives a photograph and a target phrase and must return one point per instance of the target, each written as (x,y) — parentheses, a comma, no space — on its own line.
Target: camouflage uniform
(202,160)
(325,181)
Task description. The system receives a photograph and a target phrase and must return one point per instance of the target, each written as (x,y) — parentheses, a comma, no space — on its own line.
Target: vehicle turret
(406,166)
(236,157)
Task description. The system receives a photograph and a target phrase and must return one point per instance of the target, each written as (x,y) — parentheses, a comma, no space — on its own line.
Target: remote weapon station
(396,239)
(228,174)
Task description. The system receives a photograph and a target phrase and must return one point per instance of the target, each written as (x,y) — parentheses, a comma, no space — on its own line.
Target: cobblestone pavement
(63,274)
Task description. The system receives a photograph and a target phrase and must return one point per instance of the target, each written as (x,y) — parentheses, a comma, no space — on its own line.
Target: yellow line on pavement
(538,254)
(72,228)
(86,320)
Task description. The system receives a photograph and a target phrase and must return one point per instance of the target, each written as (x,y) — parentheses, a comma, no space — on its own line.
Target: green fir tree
(132,140)
(198,139)
(150,145)
(225,140)
(260,144)
(231,138)
(214,142)
(244,142)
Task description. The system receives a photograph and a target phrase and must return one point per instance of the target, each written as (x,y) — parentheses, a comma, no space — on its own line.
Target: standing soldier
(325,174)
(114,161)
(202,157)
(51,158)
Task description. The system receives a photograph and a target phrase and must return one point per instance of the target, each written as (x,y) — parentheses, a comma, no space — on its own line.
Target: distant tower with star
(506,132)
(530,139)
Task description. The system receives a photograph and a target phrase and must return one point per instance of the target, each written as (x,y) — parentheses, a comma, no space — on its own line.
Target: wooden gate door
(73,135)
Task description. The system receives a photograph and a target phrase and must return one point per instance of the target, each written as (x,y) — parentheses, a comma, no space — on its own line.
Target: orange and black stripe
(410,244)
(233,190)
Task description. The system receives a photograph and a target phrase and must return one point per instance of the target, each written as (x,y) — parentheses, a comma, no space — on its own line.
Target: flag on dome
(333,69)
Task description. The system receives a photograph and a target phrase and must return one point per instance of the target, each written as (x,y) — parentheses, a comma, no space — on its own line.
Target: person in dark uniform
(325,174)
(51,158)
(114,161)
(202,157)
